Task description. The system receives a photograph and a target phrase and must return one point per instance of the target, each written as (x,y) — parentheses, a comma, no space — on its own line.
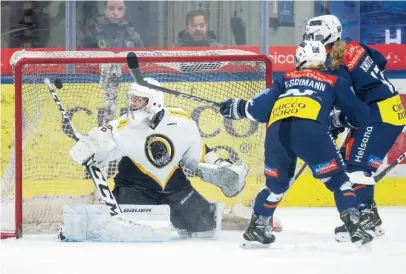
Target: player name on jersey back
(312,74)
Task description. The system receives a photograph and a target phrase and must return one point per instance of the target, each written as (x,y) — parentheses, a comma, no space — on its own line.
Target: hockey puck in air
(58,83)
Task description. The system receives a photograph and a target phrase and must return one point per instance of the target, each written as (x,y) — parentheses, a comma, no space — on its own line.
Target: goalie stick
(133,65)
(95,172)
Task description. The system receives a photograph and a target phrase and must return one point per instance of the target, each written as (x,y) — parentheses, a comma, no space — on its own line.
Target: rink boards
(306,192)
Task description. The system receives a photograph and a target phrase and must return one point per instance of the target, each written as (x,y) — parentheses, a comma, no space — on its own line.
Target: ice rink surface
(306,245)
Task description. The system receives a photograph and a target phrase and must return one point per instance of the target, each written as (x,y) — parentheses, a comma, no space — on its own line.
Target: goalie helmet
(143,102)
(326,29)
(310,54)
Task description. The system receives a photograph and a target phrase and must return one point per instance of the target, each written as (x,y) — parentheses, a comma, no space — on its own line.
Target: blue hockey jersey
(308,94)
(363,67)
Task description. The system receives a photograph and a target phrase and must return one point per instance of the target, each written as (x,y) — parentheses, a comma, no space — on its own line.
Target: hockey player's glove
(228,176)
(233,109)
(336,132)
(95,143)
(339,121)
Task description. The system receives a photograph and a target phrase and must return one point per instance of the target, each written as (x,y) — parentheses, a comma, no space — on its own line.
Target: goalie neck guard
(143,102)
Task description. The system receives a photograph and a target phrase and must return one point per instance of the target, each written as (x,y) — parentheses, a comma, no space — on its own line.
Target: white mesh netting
(94,93)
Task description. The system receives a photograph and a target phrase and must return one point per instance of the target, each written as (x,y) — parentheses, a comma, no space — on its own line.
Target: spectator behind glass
(196,33)
(110,30)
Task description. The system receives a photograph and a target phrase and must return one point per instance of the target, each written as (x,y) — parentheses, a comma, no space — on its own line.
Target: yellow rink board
(306,191)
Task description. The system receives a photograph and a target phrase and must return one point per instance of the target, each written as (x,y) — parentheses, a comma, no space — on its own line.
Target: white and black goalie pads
(93,223)
(230,178)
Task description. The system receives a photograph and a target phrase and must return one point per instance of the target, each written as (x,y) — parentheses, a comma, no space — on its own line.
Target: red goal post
(39,177)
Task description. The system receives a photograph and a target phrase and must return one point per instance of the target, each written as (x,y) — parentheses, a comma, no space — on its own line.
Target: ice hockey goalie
(154,144)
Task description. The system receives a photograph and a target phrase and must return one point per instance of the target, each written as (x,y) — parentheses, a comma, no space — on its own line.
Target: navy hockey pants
(288,139)
(364,150)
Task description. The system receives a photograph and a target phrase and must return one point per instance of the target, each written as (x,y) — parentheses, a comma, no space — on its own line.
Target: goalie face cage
(39,177)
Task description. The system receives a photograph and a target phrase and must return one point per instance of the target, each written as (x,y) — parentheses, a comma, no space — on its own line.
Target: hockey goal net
(38,176)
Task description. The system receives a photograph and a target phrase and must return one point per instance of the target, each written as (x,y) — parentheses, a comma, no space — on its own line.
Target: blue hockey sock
(345,199)
(262,206)
(365,195)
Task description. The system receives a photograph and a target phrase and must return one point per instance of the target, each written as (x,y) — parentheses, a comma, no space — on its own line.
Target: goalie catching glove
(229,177)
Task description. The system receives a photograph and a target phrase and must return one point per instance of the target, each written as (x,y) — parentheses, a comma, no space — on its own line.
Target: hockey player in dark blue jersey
(364,148)
(296,110)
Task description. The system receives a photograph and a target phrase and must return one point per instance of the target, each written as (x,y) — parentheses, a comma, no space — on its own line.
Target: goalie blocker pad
(94,223)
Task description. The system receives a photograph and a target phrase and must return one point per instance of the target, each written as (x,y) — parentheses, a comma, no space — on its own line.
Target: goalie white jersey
(151,152)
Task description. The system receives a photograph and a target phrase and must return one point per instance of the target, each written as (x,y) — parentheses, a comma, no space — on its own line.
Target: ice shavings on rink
(307,245)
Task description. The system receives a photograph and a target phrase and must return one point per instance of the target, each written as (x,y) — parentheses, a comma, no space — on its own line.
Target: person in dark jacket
(110,30)
(196,33)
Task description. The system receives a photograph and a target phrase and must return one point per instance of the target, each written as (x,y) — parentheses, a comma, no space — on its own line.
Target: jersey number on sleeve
(378,74)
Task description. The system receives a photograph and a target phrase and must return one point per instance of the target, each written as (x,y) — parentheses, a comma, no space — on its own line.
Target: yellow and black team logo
(159,150)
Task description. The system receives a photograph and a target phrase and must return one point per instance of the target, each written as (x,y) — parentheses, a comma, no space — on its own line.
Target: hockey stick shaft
(384,172)
(133,65)
(297,174)
(95,172)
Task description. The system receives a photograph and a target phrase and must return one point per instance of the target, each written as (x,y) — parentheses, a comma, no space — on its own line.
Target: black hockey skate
(370,222)
(365,221)
(341,234)
(259,233)
(376,219)
(354,227)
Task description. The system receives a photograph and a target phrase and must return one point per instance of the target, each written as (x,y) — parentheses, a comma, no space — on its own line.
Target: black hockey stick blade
(384,172)
(133,65)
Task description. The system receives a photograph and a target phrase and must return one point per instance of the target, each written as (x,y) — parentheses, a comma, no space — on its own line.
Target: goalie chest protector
(156,149)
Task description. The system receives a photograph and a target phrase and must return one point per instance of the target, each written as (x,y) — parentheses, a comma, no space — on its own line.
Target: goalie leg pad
(93,223)
(190,211)
(215,232)
(133,195)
